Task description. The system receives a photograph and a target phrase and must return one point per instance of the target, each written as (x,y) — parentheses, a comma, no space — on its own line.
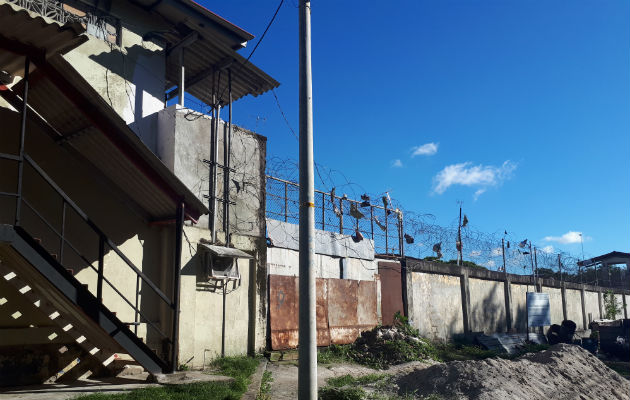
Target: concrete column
(507,289)
(563,292)
(583,308)
(466,301)
(599,300)
(625,310)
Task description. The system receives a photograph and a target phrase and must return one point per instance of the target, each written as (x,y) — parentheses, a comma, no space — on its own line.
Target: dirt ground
(563,372)
(285,375)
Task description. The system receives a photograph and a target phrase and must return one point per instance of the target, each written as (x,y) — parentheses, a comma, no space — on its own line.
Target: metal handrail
(96,229)
(89,264)
(103,239)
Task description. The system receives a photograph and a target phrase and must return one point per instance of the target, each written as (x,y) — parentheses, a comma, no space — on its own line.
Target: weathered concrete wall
(131,77)
(574,306)
(435,299)
(202,307)
(286,262)
(487,306)
(434,304)
(184,141)
(555,304)
(519,310)
(591,306)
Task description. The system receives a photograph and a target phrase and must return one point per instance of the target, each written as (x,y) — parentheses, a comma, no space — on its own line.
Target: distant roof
(614,257)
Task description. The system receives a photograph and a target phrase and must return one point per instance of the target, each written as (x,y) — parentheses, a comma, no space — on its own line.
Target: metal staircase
(37,271)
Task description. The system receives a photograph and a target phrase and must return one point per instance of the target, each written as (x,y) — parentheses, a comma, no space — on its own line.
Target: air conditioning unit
(220,263)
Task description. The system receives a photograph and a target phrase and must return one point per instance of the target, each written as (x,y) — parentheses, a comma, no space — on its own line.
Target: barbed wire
(420,232)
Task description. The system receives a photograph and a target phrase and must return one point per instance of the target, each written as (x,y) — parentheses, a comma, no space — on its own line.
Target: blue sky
(520,109)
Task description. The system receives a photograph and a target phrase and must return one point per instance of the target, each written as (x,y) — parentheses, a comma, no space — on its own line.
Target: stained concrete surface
(104,386)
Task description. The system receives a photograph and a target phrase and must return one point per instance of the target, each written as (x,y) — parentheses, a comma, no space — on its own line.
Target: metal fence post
(386,232)
(341,215)
(372,221)
(286,202)
(323,211)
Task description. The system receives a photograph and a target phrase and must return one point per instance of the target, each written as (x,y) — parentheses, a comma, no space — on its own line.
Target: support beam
(182,78)
(35,54)
(185,42)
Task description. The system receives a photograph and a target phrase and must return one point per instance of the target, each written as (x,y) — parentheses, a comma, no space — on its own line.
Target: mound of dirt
(562,372)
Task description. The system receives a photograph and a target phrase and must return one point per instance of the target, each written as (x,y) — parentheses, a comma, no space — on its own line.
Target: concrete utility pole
(307,373)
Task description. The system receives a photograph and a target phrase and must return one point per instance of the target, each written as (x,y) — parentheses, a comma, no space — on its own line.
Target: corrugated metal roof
(205,54)
(31,29)
(71,106)
(224,251)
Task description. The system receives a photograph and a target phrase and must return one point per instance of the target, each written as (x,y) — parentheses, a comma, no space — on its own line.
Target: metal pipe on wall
(177,274)
(227,149)
(18,206)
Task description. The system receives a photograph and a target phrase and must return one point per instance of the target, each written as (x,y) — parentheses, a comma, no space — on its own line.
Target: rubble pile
(382,347)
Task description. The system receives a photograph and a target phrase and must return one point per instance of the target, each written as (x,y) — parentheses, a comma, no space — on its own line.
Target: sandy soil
(562,372)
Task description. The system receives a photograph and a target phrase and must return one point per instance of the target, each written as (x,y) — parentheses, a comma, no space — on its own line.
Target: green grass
(346,380)
(265,386)
(335,354)
(239,368)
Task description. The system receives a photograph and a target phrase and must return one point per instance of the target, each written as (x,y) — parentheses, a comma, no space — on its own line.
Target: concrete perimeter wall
(446,300)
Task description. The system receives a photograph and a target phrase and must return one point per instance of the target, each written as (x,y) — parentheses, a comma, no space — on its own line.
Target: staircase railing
(104,241)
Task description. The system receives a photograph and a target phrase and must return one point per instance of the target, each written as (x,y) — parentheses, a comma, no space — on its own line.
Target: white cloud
(427,149)
(497,251)
(475,253)
(491,264)
(466,174)
(478,193)
(568,238)
(397,164)
(547,249)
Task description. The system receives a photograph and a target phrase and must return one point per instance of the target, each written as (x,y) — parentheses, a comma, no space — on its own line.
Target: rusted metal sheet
(344,308)
(323,333)
(391,291)
(283,311)
(366,305)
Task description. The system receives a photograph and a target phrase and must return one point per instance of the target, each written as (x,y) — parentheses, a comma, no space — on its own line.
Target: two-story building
(128,226)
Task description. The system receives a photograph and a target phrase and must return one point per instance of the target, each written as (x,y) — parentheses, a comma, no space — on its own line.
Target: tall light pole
(307,372)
